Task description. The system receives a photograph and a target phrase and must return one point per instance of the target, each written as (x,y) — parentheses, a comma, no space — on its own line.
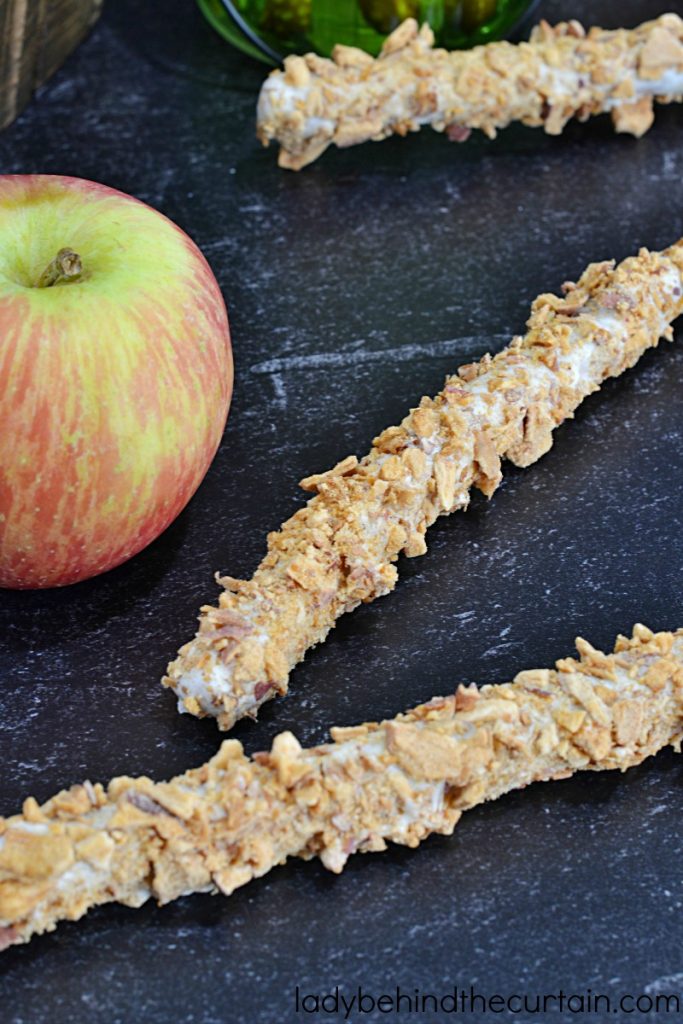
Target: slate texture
(353,288)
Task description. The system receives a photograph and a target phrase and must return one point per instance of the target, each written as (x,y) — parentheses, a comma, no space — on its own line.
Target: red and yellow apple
(115,377)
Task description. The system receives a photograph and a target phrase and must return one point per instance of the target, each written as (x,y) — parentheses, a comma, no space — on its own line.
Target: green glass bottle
(270,29)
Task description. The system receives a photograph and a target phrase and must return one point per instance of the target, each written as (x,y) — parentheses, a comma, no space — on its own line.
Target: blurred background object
(36,37)
(269,29)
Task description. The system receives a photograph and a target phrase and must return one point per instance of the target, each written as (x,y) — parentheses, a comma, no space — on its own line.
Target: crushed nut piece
(559,74)
(232,819)
(339,549)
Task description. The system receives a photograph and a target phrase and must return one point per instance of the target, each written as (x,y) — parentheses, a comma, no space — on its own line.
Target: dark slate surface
(353,288)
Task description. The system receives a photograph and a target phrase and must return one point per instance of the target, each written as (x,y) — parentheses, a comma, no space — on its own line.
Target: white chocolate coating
(559,74)
(339,550)
(216,827)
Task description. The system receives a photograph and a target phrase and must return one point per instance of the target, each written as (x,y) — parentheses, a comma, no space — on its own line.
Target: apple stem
(66,266)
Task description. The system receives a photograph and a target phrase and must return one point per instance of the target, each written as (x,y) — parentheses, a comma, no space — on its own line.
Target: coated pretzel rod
(339,549)
(559,74)
(216,827)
